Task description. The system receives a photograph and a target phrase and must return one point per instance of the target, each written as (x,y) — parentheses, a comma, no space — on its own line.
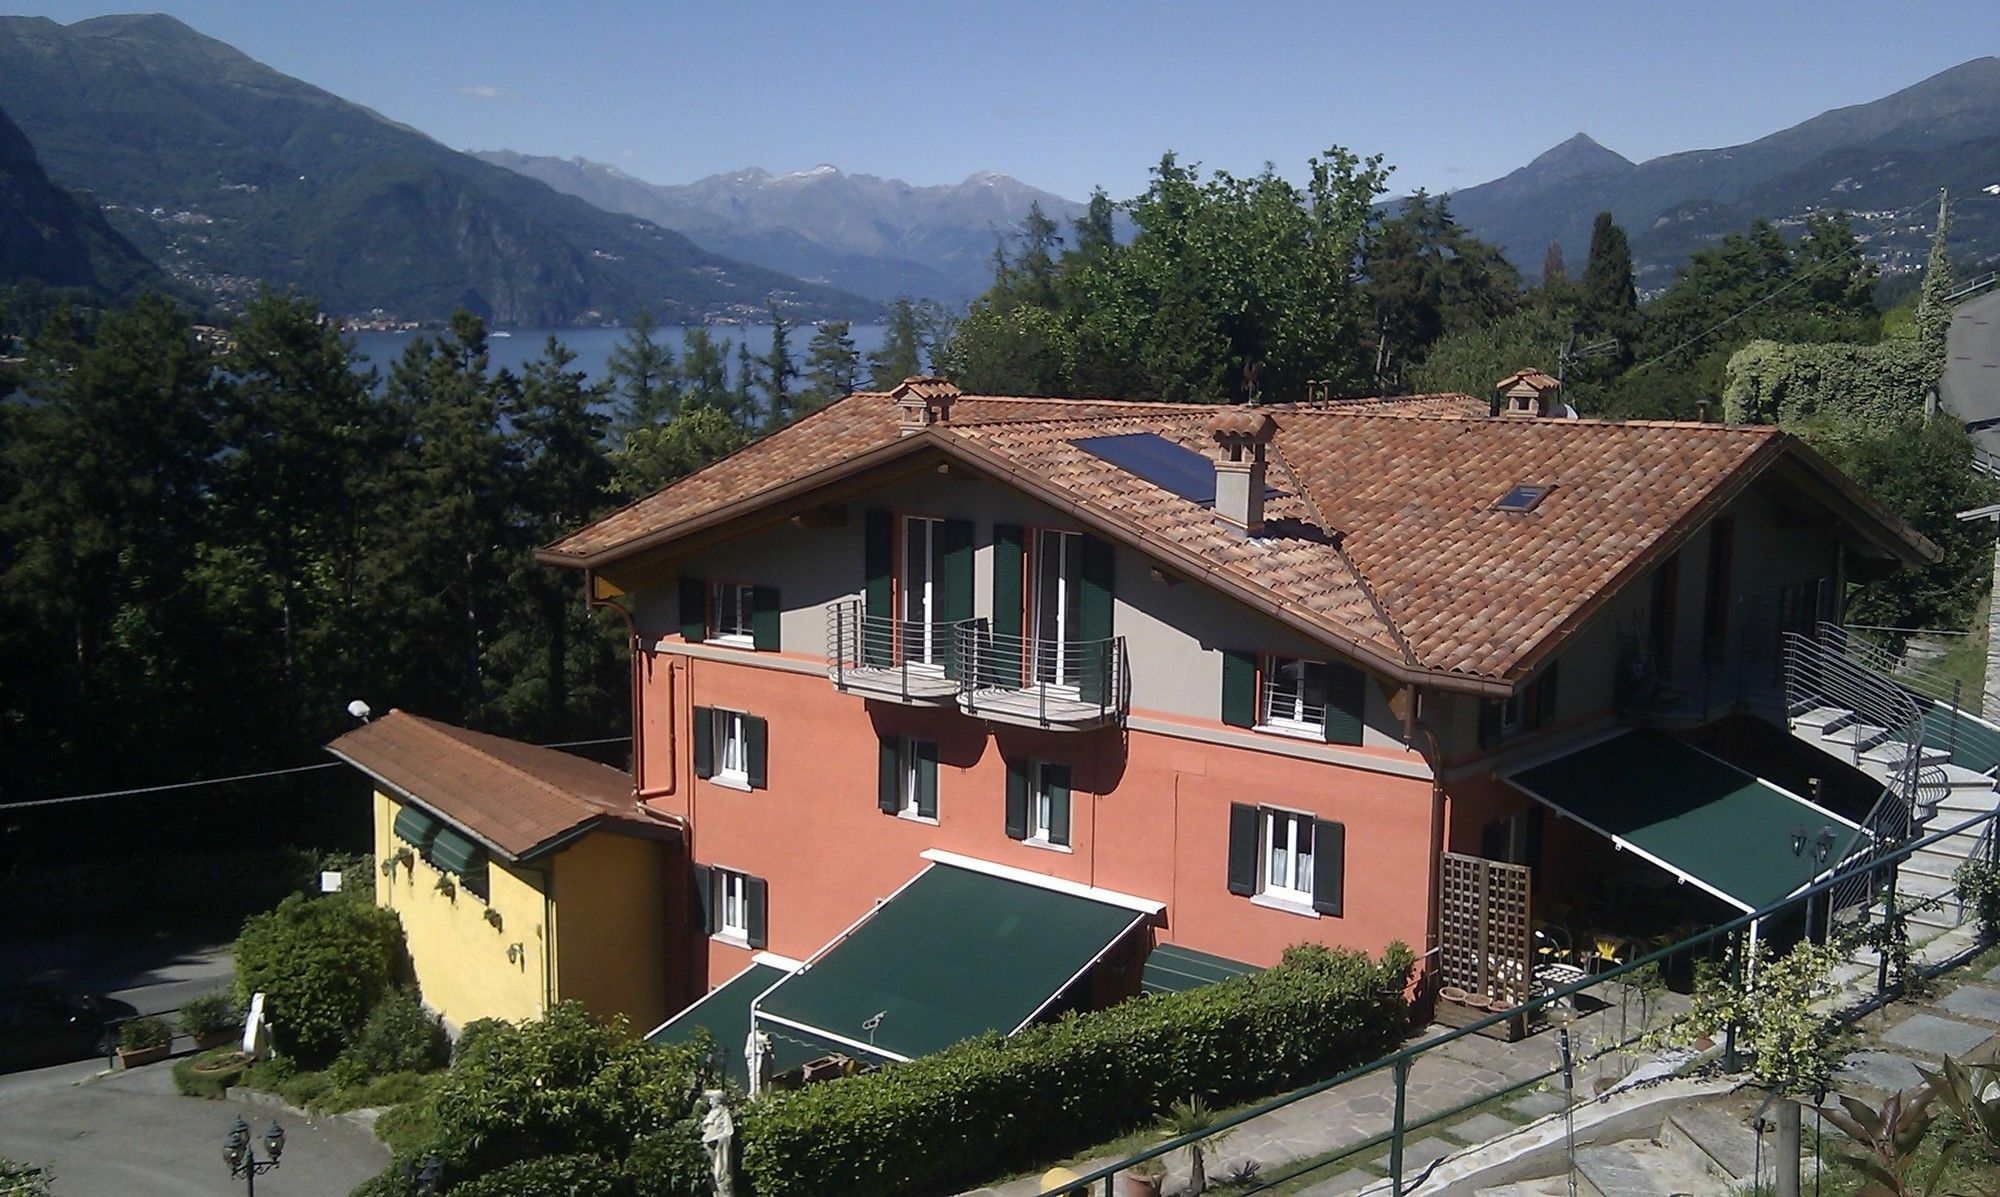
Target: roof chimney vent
(1529,394)
(924,401)
(1241,433)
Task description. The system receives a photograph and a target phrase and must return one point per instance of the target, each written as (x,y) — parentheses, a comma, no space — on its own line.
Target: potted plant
(1143,1179)
(211,1020)
(143,1041)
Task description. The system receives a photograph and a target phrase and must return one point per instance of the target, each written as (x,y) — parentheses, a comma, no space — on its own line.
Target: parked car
(44,1026)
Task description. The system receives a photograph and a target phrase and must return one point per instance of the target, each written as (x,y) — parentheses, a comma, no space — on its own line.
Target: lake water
(593,346)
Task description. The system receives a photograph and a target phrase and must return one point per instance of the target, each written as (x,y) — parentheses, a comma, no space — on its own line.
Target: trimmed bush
(990,1106)
(137,1034)
(670,1163)
(550,1176)
(211,1072)
(322,965)
(399,1036)
(470,1033)
(210,1014)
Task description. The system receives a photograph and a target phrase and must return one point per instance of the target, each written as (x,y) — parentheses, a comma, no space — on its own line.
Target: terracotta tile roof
(1382,538)
(515,797)
(1537,379)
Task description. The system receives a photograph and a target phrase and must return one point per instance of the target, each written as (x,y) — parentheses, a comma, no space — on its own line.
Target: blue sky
(1070,95)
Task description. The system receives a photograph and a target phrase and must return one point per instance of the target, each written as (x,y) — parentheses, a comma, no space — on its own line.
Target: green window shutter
(756,742)
(955,585)
(1346,692)
(1093,622)
(694,610)
(927,777)
(764,619)
(416,828)
(704,742)
(1056,778)
(703,896)
(1017,800)
(757,900)
(878,554)
(1239,688)
(1004,662)
(1329,866)
(1242,849)
(888,777)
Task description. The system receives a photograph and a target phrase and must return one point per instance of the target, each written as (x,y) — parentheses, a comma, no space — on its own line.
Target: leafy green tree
(1554,273)
(1932,322)
(645,386)
(1427,277)
(833,365)
(1472,359)
(779,370)
(653,457)
(901,355)
(322,963)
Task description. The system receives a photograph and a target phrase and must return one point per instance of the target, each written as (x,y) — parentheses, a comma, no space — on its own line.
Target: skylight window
(1523,497)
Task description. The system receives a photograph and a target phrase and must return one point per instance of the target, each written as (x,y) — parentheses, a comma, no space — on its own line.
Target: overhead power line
(237,777)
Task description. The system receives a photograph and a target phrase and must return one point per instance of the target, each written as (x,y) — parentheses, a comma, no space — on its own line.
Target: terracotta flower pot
(1452,993)
(134,1058)
(1131,1184)
(216,1039)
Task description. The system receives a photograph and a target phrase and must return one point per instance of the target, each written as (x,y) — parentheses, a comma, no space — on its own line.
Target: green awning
(955,953)
(725,1013)
(1694,815)
(416,828)
(456,853)
(1171,968)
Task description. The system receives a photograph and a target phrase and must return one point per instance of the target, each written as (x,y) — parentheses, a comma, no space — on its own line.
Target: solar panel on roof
(1170,466)
(1522,497)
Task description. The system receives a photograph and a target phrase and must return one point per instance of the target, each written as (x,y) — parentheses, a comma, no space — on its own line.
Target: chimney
(1241,434)
(1527,394)
(924,401)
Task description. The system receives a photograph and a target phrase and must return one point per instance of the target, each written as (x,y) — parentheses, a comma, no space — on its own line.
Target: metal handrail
(1967,729)
(1818,672)
(858,641)
(1073,674)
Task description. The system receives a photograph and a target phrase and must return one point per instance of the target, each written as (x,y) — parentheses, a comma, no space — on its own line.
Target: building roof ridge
(454,734)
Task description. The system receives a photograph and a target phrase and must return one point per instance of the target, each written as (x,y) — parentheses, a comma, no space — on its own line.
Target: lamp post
(242,1158)
(424,1179)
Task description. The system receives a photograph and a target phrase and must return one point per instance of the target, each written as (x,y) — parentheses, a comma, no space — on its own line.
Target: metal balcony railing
(1953,719)
(908,660)
(1051,684)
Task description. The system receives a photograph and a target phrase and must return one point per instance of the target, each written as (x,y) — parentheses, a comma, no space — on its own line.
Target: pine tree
(1554,273)
(901,355)
(778,372)
(645,385)
(704,371)
(743,396)
(1607,296)
(833,365)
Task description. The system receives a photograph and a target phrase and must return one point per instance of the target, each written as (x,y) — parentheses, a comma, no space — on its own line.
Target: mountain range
(1883,162)
(878,237)
(57,239)
(229,174)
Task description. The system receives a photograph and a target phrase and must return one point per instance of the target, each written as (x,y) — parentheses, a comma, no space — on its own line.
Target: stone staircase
(1700,1150)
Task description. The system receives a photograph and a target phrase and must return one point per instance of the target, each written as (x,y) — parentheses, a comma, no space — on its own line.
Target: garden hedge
(990,1106)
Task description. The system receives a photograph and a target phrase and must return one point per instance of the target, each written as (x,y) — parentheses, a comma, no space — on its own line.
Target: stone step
(1820,719)
(1847,735)
(1648,1168)
(1727,1141)
(1962,778)
(1929,862)
(1894,754)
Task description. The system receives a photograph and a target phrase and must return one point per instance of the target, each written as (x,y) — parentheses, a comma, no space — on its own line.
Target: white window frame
(1042,805)
(732,613)
(917,598)
(1061,551)
(908,781)
(731,748)
(1286,710)
(1284,872)
(732,914)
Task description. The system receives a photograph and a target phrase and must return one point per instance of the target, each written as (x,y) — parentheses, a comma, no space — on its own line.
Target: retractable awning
(964,948)
(725,1014)
(1702,819)
(1171,968)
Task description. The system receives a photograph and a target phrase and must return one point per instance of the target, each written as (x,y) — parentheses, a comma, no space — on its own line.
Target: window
(908,778)
(732,613)
(1294,695)
(1048,814)
(1287,841)
(919,599)
(1287,859)
(1057,603)
(730,747)
(1523,496)
(1038,803)
(736,905)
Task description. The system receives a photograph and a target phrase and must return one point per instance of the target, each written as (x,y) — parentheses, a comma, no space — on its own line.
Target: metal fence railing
(1956,718)
(1608,1044)
(912,658)
(1064,681)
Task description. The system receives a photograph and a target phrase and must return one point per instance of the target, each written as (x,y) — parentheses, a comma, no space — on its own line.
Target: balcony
(1069,686)
(892,659)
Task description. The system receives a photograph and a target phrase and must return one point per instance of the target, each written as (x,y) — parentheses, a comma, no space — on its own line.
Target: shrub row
(991,1105)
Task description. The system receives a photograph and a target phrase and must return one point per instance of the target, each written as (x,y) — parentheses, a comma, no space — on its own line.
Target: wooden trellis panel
(1485,943)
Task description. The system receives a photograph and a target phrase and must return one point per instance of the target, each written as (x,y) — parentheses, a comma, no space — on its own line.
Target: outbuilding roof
(520,800)
(1383,537)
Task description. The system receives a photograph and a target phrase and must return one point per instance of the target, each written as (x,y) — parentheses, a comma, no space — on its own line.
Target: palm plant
(1188,1116)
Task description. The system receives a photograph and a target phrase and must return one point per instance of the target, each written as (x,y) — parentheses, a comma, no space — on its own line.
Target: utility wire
(222,781)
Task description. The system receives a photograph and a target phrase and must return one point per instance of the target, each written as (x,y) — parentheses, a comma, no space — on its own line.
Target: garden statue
(757,1055)
(718,1139)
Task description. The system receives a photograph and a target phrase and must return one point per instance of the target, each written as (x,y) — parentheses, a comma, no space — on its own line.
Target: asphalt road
(1971,386)
(128,1133)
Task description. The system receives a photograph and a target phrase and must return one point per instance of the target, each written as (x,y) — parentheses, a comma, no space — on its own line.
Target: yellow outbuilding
(524,875)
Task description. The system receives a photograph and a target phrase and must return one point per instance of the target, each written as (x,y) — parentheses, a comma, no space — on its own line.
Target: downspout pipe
(1413,727)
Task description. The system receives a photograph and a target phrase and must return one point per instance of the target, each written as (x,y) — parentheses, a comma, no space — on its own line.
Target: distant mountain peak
(825,170)
(1580,155)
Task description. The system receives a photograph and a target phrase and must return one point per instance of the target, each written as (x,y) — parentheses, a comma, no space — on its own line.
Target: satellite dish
(358,709)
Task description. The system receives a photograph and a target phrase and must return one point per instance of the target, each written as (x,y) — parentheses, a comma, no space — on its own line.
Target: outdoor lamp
(274,1141)
(426,1178)
(1799,840)
(1823,845)
(235,1144)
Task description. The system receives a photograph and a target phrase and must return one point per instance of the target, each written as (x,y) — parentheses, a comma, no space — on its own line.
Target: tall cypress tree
(778,373)
(1607,296)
